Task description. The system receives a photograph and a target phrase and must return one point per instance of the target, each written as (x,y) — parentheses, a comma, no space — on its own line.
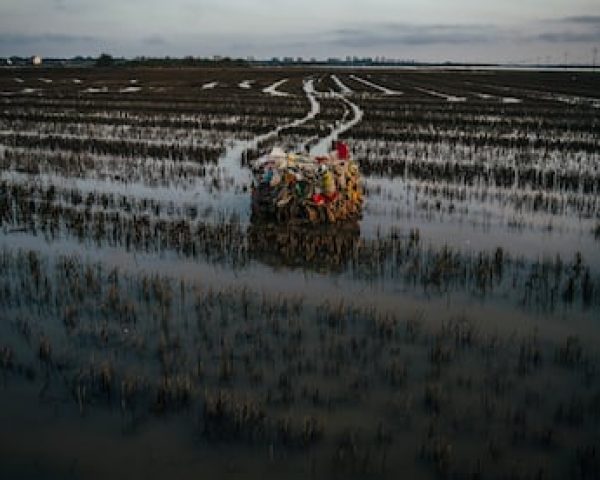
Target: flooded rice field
(149,326)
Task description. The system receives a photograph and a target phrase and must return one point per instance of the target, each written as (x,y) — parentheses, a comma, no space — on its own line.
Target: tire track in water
(382,89)
(447,97)
(272,89)
(322,147)
(343,87)
(231,159)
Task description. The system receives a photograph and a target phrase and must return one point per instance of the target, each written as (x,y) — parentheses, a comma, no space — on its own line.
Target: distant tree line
(106,60)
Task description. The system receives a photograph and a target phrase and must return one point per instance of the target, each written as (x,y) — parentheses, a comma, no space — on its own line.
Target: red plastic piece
(342,151)
(318,199)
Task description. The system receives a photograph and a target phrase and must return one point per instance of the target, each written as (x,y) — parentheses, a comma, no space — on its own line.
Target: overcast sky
(434,30)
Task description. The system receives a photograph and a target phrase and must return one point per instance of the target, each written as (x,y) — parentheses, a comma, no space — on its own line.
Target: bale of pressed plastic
(297,189)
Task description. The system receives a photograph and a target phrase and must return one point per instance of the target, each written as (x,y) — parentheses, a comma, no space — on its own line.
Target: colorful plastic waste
(297,188)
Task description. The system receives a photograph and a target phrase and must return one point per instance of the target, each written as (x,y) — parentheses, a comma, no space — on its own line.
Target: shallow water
(152,329)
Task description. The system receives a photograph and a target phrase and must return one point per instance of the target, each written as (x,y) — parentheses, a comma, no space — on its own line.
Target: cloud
(415,35)
(70,7)
(47,44)
(581,29)
(583,19)
(154,40)
(53,38)
(60,5)
(569,37)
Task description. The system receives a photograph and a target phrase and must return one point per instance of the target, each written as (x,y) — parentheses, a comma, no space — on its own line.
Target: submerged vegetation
(450,333)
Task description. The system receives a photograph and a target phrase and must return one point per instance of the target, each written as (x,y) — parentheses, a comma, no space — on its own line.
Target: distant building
(36,60)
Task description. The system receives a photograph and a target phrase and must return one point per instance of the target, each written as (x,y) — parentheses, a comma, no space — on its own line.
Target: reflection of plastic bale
(325,248)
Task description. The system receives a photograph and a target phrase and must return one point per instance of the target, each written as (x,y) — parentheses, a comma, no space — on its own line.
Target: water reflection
(325,249)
